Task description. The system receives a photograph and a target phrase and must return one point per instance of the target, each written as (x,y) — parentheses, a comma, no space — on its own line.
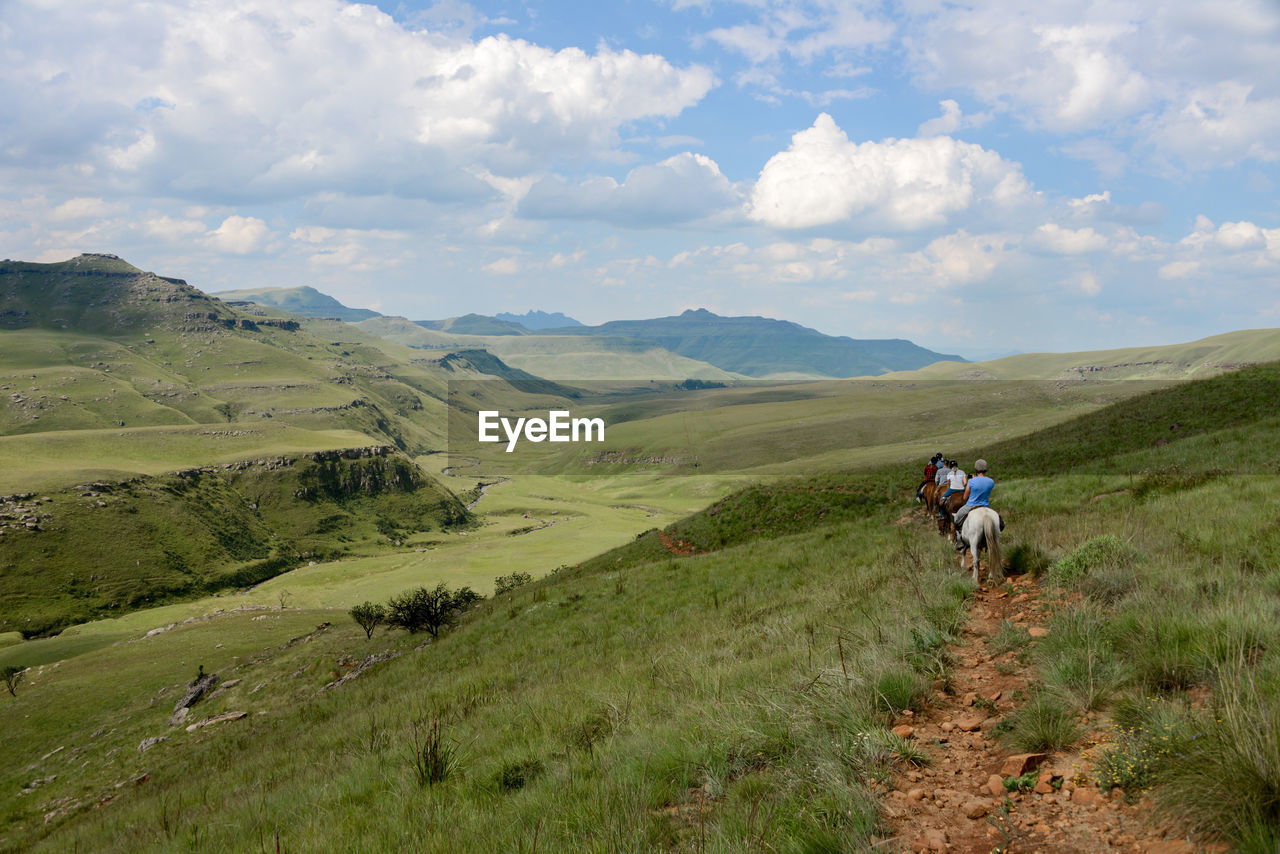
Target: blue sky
(980,177)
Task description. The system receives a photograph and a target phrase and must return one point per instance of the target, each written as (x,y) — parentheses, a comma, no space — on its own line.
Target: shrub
(368,616)
(429,610)
(1107,552)
(12,675)
(507,583)
(1044,723)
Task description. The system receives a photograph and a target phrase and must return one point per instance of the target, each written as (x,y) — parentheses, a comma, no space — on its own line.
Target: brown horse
(949,507)
(931,493)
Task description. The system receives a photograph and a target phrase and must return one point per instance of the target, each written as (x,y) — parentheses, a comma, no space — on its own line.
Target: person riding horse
(977,493)
(930,472)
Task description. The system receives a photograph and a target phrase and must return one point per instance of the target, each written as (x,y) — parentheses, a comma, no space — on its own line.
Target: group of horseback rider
(947,487)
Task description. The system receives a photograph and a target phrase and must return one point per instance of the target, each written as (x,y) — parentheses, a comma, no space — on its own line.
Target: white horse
(981,530)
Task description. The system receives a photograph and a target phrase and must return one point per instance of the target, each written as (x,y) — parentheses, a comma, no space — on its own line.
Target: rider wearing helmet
(977,493)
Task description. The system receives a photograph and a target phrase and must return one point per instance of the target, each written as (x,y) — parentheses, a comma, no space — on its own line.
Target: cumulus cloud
(824,178)
(961,257)
(951,120)
(264,100)
(679,189)
(1179,269)
(1185,79)
(240,235)
(1066,241)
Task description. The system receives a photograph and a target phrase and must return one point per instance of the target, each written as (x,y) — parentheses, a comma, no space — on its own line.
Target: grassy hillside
(100,548)
(724,685)
(1205,357)
(474,324)
(301,300)
(95,343)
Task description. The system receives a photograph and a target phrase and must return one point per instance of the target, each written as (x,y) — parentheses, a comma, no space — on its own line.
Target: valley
(706,633)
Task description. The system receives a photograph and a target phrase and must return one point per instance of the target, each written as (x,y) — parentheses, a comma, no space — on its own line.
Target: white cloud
(82,208)
(1179,269)
(1066,241)
(951,120)
(679,189)
(504,267)
(961,258)
(240,235)
(169,228)
(1220,125)
(1195,82)
(267,100)
(824,178)
(1240,235)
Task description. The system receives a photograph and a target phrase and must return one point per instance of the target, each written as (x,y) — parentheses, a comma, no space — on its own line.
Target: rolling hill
(306,301)
(774,669)
(158,443)
(1201,358)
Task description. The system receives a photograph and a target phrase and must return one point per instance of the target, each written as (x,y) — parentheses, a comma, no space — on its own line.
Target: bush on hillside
(429,610)
(507,583)
(12,675)
(1105,553)
(369,616)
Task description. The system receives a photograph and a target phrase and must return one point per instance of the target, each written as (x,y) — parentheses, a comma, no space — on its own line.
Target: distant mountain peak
(536,320)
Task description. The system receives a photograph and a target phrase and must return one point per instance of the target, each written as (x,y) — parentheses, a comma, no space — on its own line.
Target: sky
(979,177)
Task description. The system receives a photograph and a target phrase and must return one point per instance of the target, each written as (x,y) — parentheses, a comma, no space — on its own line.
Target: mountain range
(756,347)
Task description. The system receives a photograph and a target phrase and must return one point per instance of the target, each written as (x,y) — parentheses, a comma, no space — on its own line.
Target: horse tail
(991,533)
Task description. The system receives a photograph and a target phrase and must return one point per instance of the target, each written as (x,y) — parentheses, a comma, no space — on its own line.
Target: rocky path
(960,802)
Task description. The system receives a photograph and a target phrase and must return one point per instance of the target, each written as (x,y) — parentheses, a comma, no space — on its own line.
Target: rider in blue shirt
(977,493)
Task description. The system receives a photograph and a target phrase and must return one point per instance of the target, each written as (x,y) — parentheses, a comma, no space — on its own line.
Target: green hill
(731,678)
(303,300)
(474,324)
(762,347)
(1204,357)
(156,441)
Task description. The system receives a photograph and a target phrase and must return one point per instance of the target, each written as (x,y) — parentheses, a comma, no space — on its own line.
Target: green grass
(1043,723)
(733,698)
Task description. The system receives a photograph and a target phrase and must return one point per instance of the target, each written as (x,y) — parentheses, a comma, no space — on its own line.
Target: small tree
(507,583)
(429,610)
(369,616)
(12,675)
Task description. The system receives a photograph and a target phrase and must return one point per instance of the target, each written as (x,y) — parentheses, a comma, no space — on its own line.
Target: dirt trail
(958,803)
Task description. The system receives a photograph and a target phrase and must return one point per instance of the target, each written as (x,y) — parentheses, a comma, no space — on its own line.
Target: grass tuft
(1226,780)
(1045,723)
(900,688)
